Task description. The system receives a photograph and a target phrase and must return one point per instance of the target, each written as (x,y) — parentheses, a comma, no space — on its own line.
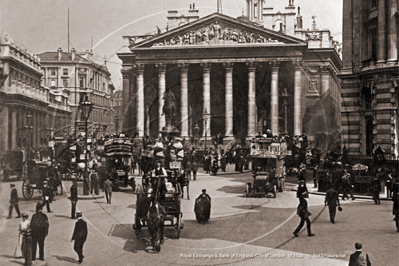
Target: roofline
(199,21)
(102,68)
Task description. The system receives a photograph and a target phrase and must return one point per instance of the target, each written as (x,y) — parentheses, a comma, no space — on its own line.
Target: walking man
(46,193)
(303,213)
(79,236)
(39,226)
(74,197)
(188,170)
(376,185)
(359,258)
(194,168)
(315,176)
(14,202)
(332,201)
(108,190)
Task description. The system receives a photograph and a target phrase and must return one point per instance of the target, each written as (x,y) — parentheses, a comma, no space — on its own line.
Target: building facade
(233,77)
(77,76)
(370,76)
(29,112)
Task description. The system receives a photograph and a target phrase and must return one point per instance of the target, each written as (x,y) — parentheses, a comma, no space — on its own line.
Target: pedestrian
(47,195)
(303,213)
(188,170)
(194,168)
(388,185)
(395,209)
(25,231)
(315,176)
(202,207)
(302,189)
(376,186)
(13,202)
(39,226)
(74,197)
(358,258)
(79,236)
(332,201)
(346,185)
(108,190)
(94,180)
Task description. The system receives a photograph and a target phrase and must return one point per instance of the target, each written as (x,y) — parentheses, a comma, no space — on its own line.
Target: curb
(89,197)
(356,196)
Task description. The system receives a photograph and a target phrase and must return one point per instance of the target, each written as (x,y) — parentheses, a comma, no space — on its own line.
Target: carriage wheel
(248,190)
(178,225)
(27,190)
(274,191)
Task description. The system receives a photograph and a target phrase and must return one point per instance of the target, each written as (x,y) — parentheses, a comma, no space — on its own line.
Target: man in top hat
(359,258)
(14,202)
(46,194)
(39,226)
(79,236)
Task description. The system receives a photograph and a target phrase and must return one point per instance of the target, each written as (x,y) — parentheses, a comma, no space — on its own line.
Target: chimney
(299,19)
(105,60)
(73,53)
(59,50)
(89,54)
(193,14)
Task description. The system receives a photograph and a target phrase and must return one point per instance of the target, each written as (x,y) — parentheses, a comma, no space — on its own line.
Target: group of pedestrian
(34,232)
(191,170)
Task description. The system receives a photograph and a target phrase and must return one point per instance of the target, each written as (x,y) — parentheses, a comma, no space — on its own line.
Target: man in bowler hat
(79,236)
(14,202)
(332,201)
(74,197)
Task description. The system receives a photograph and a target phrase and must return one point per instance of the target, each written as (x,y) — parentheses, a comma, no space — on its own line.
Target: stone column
(229,102)
(140,99)
(297,102)
(274,99)
(392,31)
(261,9)
(206,69)
(381,53)
(4,129)
(258,5)
(251,99)
(248,8)
(161,91)
(184,99)
(14,129)
(126,75)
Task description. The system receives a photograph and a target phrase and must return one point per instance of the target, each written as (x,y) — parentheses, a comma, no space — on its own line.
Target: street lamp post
(86,106)
(286,117)
(196,130)
(206,126)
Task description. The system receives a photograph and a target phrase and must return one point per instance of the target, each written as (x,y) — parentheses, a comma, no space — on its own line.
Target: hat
(340,208)
(79,214)
(358,245)
(204,191)
(12,185)
(39,206)
(25,214)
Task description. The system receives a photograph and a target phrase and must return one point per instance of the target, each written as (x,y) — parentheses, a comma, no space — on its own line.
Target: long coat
(14,196)
(80,232)
(39,225)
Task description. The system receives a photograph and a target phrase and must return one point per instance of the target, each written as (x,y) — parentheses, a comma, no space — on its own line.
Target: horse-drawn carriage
(268,169)
(157,203)
(38,171)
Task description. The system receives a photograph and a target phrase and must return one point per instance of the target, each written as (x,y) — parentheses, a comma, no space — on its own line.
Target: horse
(156,214)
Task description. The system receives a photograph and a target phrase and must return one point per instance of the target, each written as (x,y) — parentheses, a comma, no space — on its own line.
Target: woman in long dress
(24,231)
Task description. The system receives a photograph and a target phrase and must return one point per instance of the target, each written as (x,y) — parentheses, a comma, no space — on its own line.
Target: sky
(42,25)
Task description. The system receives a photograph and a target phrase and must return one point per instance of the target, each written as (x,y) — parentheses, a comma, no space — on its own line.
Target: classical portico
(226,75)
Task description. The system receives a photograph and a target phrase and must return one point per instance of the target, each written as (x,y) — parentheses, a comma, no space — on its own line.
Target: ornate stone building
(76,75)
(234,77)
(370,76)
(29,112)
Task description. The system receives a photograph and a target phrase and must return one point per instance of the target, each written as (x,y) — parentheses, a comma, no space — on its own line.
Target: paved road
(241,230)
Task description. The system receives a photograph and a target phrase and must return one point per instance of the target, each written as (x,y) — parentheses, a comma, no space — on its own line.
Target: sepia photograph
(199,132)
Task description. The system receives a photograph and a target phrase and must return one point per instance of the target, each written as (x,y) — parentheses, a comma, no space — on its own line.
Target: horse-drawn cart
(156,204)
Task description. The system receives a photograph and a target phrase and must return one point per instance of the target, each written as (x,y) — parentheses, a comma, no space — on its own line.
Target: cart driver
(159,170)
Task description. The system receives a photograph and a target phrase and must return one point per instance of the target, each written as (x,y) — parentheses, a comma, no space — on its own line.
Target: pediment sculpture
(214,31)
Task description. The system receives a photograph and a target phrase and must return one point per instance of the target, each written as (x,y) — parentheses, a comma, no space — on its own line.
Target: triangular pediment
(215,30)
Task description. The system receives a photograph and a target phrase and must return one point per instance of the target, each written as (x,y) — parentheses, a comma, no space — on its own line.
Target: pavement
(242,230)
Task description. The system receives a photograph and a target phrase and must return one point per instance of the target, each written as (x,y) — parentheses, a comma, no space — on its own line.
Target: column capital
(126,73)
(183,67)
(161,67)
(228,66)
(139,68)
(275,65)
(206,67)
(251,65)
(299,65)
